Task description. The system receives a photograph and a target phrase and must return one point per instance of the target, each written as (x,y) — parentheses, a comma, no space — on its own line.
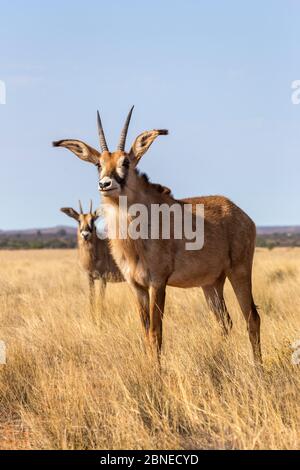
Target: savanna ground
(78,380)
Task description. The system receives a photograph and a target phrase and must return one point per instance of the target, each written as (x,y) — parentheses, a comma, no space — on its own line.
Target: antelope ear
(70,212)
(81,150)
(143,142)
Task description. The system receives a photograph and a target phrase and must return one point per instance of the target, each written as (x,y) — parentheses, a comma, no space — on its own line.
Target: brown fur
(150,265)
(94,253)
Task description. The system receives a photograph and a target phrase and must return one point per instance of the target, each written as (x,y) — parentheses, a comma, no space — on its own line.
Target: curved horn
(80,207)
(103,144)
(123,136)
(91,206)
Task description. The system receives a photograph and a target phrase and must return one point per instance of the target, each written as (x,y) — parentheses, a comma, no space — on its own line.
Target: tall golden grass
(77,379)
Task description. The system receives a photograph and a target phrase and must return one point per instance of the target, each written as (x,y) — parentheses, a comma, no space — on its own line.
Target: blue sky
(216,74)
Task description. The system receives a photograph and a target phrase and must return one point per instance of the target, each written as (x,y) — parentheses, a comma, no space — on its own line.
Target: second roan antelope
(94,254)
(149,265)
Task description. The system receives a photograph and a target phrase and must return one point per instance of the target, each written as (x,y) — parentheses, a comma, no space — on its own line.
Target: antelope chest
(86,259)
(131,264)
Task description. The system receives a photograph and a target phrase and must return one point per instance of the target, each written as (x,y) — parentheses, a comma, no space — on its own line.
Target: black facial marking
(125,167)
(120,180)
(86,228)
(126,163)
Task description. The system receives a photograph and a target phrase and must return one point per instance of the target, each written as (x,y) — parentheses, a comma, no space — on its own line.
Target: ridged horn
(103,144)
(123,136)
(80,207)
(91,206)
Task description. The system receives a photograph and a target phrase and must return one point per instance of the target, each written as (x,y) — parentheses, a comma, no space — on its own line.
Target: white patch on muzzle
(106,179)
(85,234)
(111,184)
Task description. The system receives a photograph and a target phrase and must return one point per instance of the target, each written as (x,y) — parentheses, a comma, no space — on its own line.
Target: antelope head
(116,169)
(86,221)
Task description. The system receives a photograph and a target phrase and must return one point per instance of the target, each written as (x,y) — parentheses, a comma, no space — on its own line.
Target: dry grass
(74,381)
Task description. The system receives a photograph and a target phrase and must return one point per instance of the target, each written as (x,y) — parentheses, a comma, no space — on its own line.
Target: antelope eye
(126,163)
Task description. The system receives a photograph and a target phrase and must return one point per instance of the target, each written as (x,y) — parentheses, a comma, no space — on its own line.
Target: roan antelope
(149,265)
(94,254)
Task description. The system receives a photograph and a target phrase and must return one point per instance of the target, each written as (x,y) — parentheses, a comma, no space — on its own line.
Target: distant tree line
(62,239)
(38,240)
(278,239)
(19,244)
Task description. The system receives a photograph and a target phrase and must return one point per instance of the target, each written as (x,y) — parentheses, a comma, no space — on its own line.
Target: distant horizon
(75,225)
